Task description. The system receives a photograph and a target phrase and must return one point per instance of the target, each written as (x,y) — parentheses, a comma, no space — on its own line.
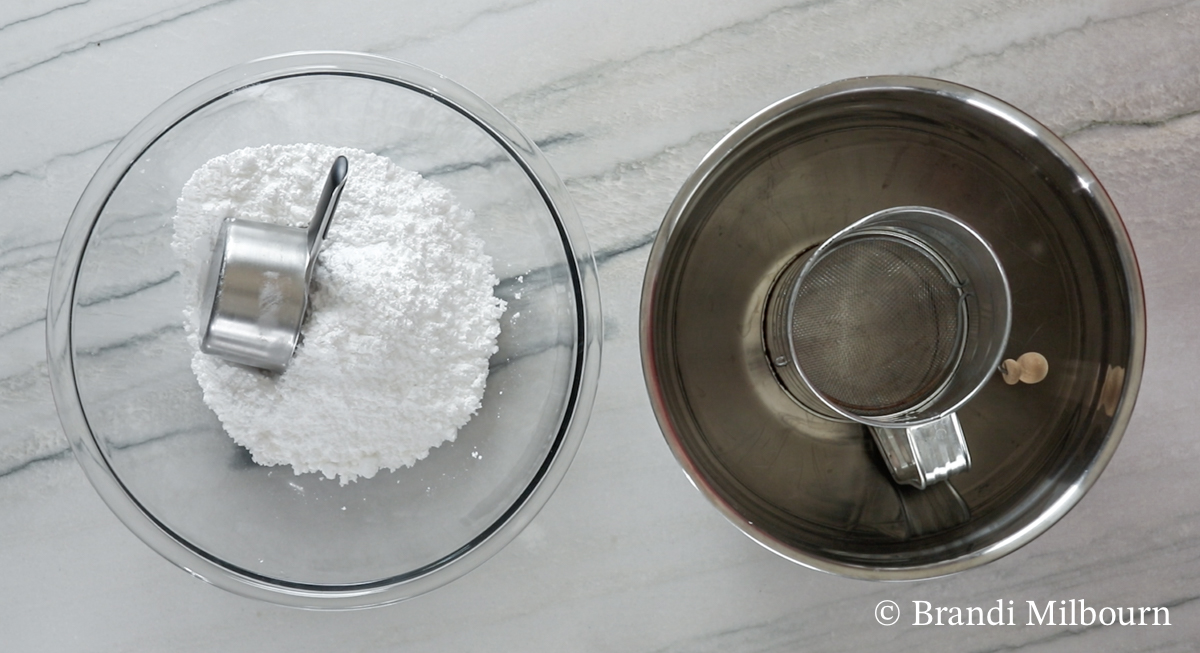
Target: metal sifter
(255,297)
(895,322)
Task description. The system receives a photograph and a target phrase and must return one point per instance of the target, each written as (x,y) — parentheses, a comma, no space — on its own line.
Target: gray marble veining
(624,97)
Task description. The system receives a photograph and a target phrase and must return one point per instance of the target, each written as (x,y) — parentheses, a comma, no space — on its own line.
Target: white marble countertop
(625,97)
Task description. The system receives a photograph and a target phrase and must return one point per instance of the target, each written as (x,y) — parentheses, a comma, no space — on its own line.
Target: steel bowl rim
(706,171)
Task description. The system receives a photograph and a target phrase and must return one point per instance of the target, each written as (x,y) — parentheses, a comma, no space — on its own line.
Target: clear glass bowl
(133,411)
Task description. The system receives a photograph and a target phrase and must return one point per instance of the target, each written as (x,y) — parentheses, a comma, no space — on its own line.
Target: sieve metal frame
(984,369)
(809,261)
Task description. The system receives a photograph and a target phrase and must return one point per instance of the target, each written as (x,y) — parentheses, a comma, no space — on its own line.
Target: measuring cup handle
(326,205)
(923,455)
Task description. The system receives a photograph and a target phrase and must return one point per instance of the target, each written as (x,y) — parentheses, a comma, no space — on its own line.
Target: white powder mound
(394,355)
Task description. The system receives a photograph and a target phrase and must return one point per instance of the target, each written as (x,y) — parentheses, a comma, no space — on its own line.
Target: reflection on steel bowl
(814,489)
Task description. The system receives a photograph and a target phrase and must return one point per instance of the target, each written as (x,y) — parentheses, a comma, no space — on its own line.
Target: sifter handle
(925,454)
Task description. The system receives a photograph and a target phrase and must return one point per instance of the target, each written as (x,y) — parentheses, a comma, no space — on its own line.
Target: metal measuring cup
(895,322)
(256,294)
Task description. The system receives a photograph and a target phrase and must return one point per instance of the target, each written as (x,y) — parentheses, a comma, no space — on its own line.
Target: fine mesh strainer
(895,322)
(890,326)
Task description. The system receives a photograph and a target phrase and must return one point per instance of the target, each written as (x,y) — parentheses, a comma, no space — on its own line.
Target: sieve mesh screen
(876,325)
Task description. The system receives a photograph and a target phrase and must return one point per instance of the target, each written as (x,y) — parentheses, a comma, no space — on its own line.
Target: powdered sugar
(394,356)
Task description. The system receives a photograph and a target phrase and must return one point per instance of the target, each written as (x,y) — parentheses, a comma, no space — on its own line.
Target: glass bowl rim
(60,352)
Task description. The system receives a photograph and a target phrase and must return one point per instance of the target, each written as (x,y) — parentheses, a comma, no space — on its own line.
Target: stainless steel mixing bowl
(816,490)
